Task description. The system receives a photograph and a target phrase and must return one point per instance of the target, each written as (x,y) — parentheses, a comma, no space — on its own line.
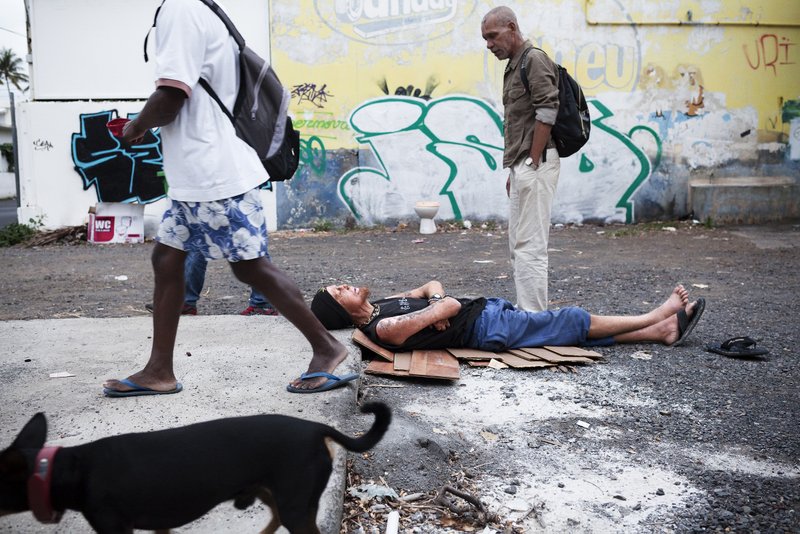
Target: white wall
(94,48)
(86,55)
(49,183)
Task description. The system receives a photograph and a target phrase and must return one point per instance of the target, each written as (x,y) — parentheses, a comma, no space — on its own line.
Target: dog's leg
(275,522)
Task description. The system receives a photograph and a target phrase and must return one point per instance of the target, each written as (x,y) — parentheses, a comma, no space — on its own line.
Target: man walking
(530,154)
(213,184)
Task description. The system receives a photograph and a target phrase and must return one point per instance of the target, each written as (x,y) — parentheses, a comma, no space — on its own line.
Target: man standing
(213,184)
(530,154)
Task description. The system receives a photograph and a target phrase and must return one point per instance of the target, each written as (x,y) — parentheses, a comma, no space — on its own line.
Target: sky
(13,36)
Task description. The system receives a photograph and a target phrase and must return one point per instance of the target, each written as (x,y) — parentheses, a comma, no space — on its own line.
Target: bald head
(501,15)
(502,34)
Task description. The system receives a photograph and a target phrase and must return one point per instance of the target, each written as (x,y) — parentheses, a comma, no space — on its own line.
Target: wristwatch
(529,161)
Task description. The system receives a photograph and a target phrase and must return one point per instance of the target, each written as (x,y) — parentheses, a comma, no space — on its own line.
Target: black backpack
(260,114)
(571,130)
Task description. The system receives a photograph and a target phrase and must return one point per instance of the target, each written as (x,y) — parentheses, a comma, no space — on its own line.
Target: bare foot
(670,325)
(325,363)
(675,303)
(143,380)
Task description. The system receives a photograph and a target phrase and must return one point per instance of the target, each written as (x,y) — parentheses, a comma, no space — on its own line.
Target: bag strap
(213,6)
(214,95)
(146,37)
(237,37)
(523,71)
(523,74)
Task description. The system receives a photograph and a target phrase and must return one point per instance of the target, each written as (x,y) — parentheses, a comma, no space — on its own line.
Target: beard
(364,293)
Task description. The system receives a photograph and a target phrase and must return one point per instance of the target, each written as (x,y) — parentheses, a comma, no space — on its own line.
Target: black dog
(165,479)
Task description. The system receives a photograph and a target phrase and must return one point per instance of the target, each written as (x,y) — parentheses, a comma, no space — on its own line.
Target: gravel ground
(679,440)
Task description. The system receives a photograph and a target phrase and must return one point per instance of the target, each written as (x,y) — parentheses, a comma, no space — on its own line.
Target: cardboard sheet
(362,339)
(434,364)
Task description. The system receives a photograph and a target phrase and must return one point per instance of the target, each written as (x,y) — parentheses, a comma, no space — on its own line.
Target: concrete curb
(229,365)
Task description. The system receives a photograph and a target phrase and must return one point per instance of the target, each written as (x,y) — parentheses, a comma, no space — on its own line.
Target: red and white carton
(116,222)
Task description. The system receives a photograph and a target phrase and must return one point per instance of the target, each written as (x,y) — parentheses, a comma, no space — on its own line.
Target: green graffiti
(625,201)
(321,124)
(791,110)
(313,154)
(657,139)
(586,164)
(413,115)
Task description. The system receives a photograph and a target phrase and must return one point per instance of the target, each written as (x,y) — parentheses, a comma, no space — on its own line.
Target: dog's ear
(33,434)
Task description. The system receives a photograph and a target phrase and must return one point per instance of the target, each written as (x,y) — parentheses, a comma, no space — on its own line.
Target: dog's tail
(383,416)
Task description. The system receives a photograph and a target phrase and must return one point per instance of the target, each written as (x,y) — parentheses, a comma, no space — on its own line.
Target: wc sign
(102,230)
(114,222)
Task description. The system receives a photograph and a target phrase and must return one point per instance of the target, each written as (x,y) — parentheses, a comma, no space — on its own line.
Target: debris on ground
(368,507)
(69,235)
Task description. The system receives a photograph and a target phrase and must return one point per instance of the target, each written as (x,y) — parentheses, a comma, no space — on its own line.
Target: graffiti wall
(399,101)
(402,102)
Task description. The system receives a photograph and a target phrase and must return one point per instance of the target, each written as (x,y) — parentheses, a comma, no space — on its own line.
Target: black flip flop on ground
(686,324)
(737,347)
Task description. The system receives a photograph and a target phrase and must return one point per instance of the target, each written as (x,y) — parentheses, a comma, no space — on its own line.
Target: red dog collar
(39,487)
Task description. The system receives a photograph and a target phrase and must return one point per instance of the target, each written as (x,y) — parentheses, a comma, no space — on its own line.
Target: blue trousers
(501,326)
(194,277)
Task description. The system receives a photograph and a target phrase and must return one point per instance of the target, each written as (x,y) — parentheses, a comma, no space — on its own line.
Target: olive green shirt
(521,109)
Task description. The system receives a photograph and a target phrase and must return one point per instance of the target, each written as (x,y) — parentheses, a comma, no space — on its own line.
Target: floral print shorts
(232,228)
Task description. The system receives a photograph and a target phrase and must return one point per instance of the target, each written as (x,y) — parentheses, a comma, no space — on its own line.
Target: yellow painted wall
(749,52)
(676,89)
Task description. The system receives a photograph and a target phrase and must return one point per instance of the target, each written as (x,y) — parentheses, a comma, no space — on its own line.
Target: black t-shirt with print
(428,338)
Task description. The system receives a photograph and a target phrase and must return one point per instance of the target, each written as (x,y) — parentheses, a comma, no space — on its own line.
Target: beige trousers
(530,204)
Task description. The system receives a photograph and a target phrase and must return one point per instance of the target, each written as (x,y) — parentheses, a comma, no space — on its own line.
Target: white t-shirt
(204,160)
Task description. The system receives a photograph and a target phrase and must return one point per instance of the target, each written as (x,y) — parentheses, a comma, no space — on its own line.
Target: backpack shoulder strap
(214,95)
(237,37)
(146,37)
(523,71)
(213,6)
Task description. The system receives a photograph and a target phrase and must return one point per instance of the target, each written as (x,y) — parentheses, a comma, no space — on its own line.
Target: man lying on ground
(426,318)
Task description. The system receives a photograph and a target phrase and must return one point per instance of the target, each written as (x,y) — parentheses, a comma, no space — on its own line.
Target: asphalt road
(678,439)
(8,211)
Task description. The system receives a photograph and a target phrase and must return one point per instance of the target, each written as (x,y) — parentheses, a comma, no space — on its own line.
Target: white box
(115,222)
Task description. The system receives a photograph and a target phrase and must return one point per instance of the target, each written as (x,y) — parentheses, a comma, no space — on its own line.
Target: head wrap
(329,312)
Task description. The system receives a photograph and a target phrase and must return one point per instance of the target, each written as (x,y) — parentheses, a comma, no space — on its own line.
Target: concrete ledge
(745,200)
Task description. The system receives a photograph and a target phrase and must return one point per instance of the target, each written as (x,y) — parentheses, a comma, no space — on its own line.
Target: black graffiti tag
(118,173)
(309,92)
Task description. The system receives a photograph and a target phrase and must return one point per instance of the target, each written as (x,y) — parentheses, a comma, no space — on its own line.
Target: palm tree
(11,71)
(11,74)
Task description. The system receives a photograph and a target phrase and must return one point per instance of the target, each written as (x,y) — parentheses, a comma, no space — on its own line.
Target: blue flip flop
(333,382)
(138,390)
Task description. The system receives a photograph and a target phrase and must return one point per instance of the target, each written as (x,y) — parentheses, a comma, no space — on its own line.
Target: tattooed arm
(396,330)
(434,287)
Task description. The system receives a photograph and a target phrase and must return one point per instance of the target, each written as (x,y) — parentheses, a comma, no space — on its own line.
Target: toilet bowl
(426,210)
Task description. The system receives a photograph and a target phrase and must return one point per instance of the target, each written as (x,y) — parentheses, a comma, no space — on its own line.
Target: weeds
(15,233)
(322,226)
(632,230)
